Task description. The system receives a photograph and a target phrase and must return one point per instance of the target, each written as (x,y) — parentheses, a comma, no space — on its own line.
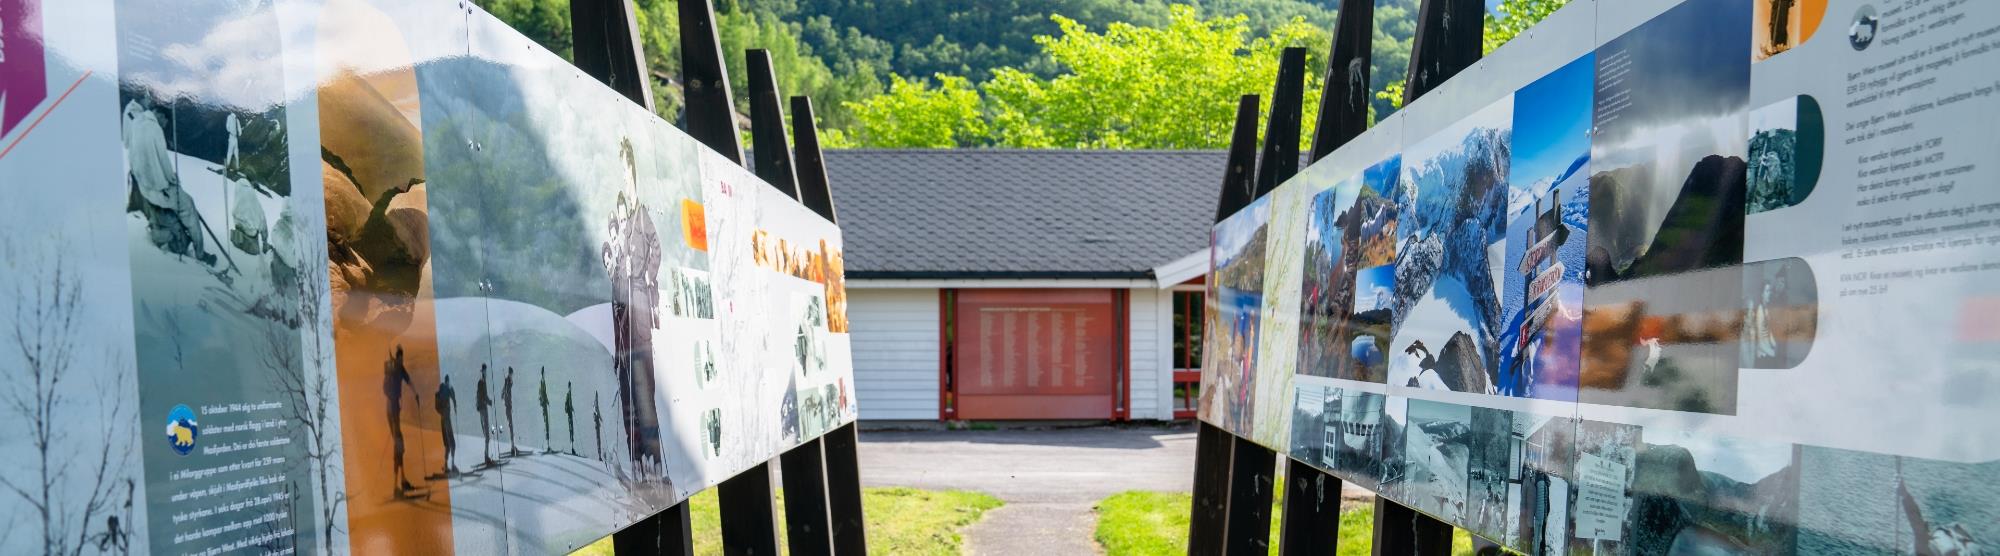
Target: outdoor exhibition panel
(1657,276)
(519,312)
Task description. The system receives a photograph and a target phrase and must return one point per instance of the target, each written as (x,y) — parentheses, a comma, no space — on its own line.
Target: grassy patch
(900,521)
(1134,523)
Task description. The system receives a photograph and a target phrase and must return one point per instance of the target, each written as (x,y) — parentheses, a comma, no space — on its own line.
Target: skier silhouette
(547,445)
(507,402)
(482,400)
(596,403)
(394,376)
(569,415)
(446,402)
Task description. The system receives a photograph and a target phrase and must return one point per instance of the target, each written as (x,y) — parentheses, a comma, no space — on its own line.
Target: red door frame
(1121,394)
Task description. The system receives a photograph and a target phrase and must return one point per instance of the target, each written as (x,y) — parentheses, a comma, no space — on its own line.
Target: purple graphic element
(23,79)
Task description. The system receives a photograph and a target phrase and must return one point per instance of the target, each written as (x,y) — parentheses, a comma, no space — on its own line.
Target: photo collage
(305,259)
(1558,320)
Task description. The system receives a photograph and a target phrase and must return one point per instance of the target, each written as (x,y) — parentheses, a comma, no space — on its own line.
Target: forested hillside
(1024,73)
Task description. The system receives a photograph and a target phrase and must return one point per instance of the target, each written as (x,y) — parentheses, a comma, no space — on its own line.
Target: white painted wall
(1152,382)
(895,334)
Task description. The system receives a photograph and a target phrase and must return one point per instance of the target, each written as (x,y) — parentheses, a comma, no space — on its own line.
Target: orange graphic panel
(694,225)
(384,325)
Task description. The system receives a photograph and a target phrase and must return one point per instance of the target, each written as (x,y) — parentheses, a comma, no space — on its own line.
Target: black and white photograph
(1787,149)
(1437,450)
(1362,438)
(1702,493)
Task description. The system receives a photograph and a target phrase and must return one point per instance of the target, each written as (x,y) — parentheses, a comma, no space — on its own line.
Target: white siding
(895,333)
(1152,345)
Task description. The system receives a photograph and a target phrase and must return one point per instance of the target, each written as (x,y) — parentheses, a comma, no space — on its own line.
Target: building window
(1188,307)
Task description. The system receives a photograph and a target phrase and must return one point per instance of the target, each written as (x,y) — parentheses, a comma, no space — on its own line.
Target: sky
(1552,122)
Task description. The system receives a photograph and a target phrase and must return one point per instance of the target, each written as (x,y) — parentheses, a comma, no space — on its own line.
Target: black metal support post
(807,160)
(808,530)
(605,34)
(1238,179)
(843,489)
(1211,486)
(749,513)
(1448,39)
(1281,131)
(1252,473)
(711,115)
(1343,103)
(666,532)
(1311,523)
(1400,530)
(767,126)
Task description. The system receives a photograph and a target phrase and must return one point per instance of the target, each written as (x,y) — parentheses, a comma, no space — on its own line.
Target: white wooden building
(1025,284)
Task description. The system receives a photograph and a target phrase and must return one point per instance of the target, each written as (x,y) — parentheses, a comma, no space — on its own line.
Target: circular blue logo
(182,430)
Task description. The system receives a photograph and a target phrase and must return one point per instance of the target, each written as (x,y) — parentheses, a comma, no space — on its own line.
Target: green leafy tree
(1146,87)
(1515,17)
(914,115)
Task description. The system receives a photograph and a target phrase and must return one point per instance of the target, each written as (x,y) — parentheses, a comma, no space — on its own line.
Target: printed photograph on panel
(1349,278)
(1787,149)
(378,245)
(1451,205)
(1606,454)
(1667,193)
(1359,437)
(71,459)
(1547,214)
(1493,471)
(1315,411)
(1235,306)
(541,232)
(1437,448)
(1864,503)
(1696,493)
(1667,158)
(1780,25)
(215,230)
(1389,460)
(1780,315)
(1538,517)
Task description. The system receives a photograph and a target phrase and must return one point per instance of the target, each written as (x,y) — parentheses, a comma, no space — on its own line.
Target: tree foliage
(914,115)
(1514,17)
(1021,73)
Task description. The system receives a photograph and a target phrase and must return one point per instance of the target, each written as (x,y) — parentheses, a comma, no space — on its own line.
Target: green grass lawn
(900,521)
(1145,523)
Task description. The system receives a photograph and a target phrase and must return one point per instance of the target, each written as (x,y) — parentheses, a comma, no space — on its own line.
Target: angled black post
(1238,180)
(749,513)
(1210,514)
(1252,474)
(1401,530)
(1311,525)
(1343,102)
(663,533)
(809,163)
(808,529)
(767,125)
(605,34)
(843,489)
(1281,131)
(711,114)
(1448,39)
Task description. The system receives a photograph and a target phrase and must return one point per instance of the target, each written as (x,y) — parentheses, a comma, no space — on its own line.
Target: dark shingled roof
(992,213)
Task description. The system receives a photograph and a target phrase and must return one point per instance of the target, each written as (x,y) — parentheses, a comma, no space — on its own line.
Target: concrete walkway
(1049,479)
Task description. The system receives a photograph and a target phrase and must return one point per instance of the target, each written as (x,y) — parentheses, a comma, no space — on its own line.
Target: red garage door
(1039,354)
